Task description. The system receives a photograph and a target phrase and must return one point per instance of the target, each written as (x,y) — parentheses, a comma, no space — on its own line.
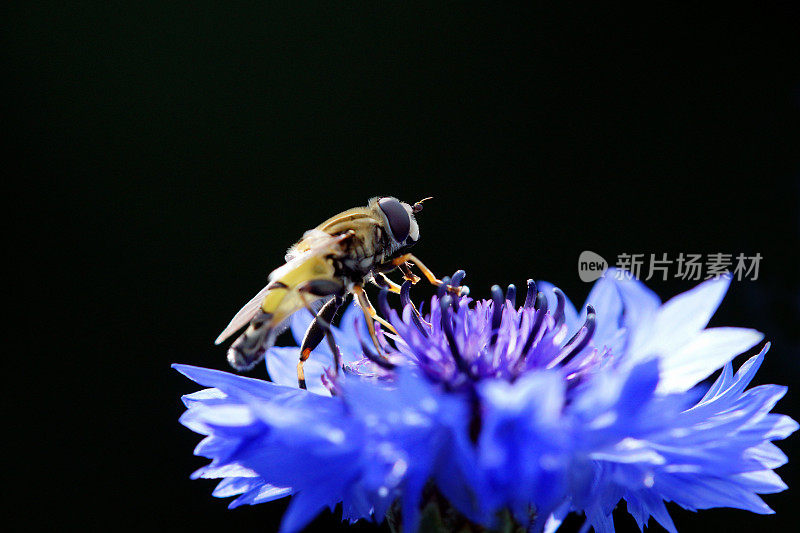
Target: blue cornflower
(507,413)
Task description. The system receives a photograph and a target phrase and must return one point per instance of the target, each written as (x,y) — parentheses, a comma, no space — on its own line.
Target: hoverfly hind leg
(249,349)
(317,329)
(320,326)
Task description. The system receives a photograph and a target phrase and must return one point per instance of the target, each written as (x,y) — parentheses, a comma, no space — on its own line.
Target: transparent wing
(244,316)
(316,244)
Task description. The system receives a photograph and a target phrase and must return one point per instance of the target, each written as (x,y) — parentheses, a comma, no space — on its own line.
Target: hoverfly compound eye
(397,216)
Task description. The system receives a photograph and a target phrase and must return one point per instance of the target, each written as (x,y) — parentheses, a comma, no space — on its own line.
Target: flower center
(461,341)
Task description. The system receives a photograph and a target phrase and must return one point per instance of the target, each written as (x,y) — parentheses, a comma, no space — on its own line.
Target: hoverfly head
(400,220)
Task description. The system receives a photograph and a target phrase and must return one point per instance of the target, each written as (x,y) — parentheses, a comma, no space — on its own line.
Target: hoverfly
(332,260)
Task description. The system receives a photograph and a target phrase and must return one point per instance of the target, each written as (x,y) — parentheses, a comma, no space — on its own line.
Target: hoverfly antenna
(417,207)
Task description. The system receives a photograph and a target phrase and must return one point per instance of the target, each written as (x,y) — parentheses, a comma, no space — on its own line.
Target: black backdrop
(169,154)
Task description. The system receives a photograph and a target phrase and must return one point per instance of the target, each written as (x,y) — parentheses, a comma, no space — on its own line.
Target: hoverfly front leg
(401,262)
(407,274)
(320,326)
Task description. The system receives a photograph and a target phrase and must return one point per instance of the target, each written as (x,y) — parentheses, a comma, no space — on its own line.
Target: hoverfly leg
(319,329)
(429,275)
(407,274)
(371,316)
(385,282)
(371,310)
(301,375)
(316,330)
(320,326)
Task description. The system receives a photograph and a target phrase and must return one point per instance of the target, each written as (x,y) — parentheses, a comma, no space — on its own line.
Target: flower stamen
(579,341)
(447,327)
(511,295)
(498,302)
(530,296)
(541,309)
(561,301)
(405,300)
(369,354)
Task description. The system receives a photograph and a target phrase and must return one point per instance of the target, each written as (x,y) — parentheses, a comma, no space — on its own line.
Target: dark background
(165,156)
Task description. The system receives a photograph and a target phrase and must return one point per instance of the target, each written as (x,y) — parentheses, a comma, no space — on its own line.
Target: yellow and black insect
(330,261)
